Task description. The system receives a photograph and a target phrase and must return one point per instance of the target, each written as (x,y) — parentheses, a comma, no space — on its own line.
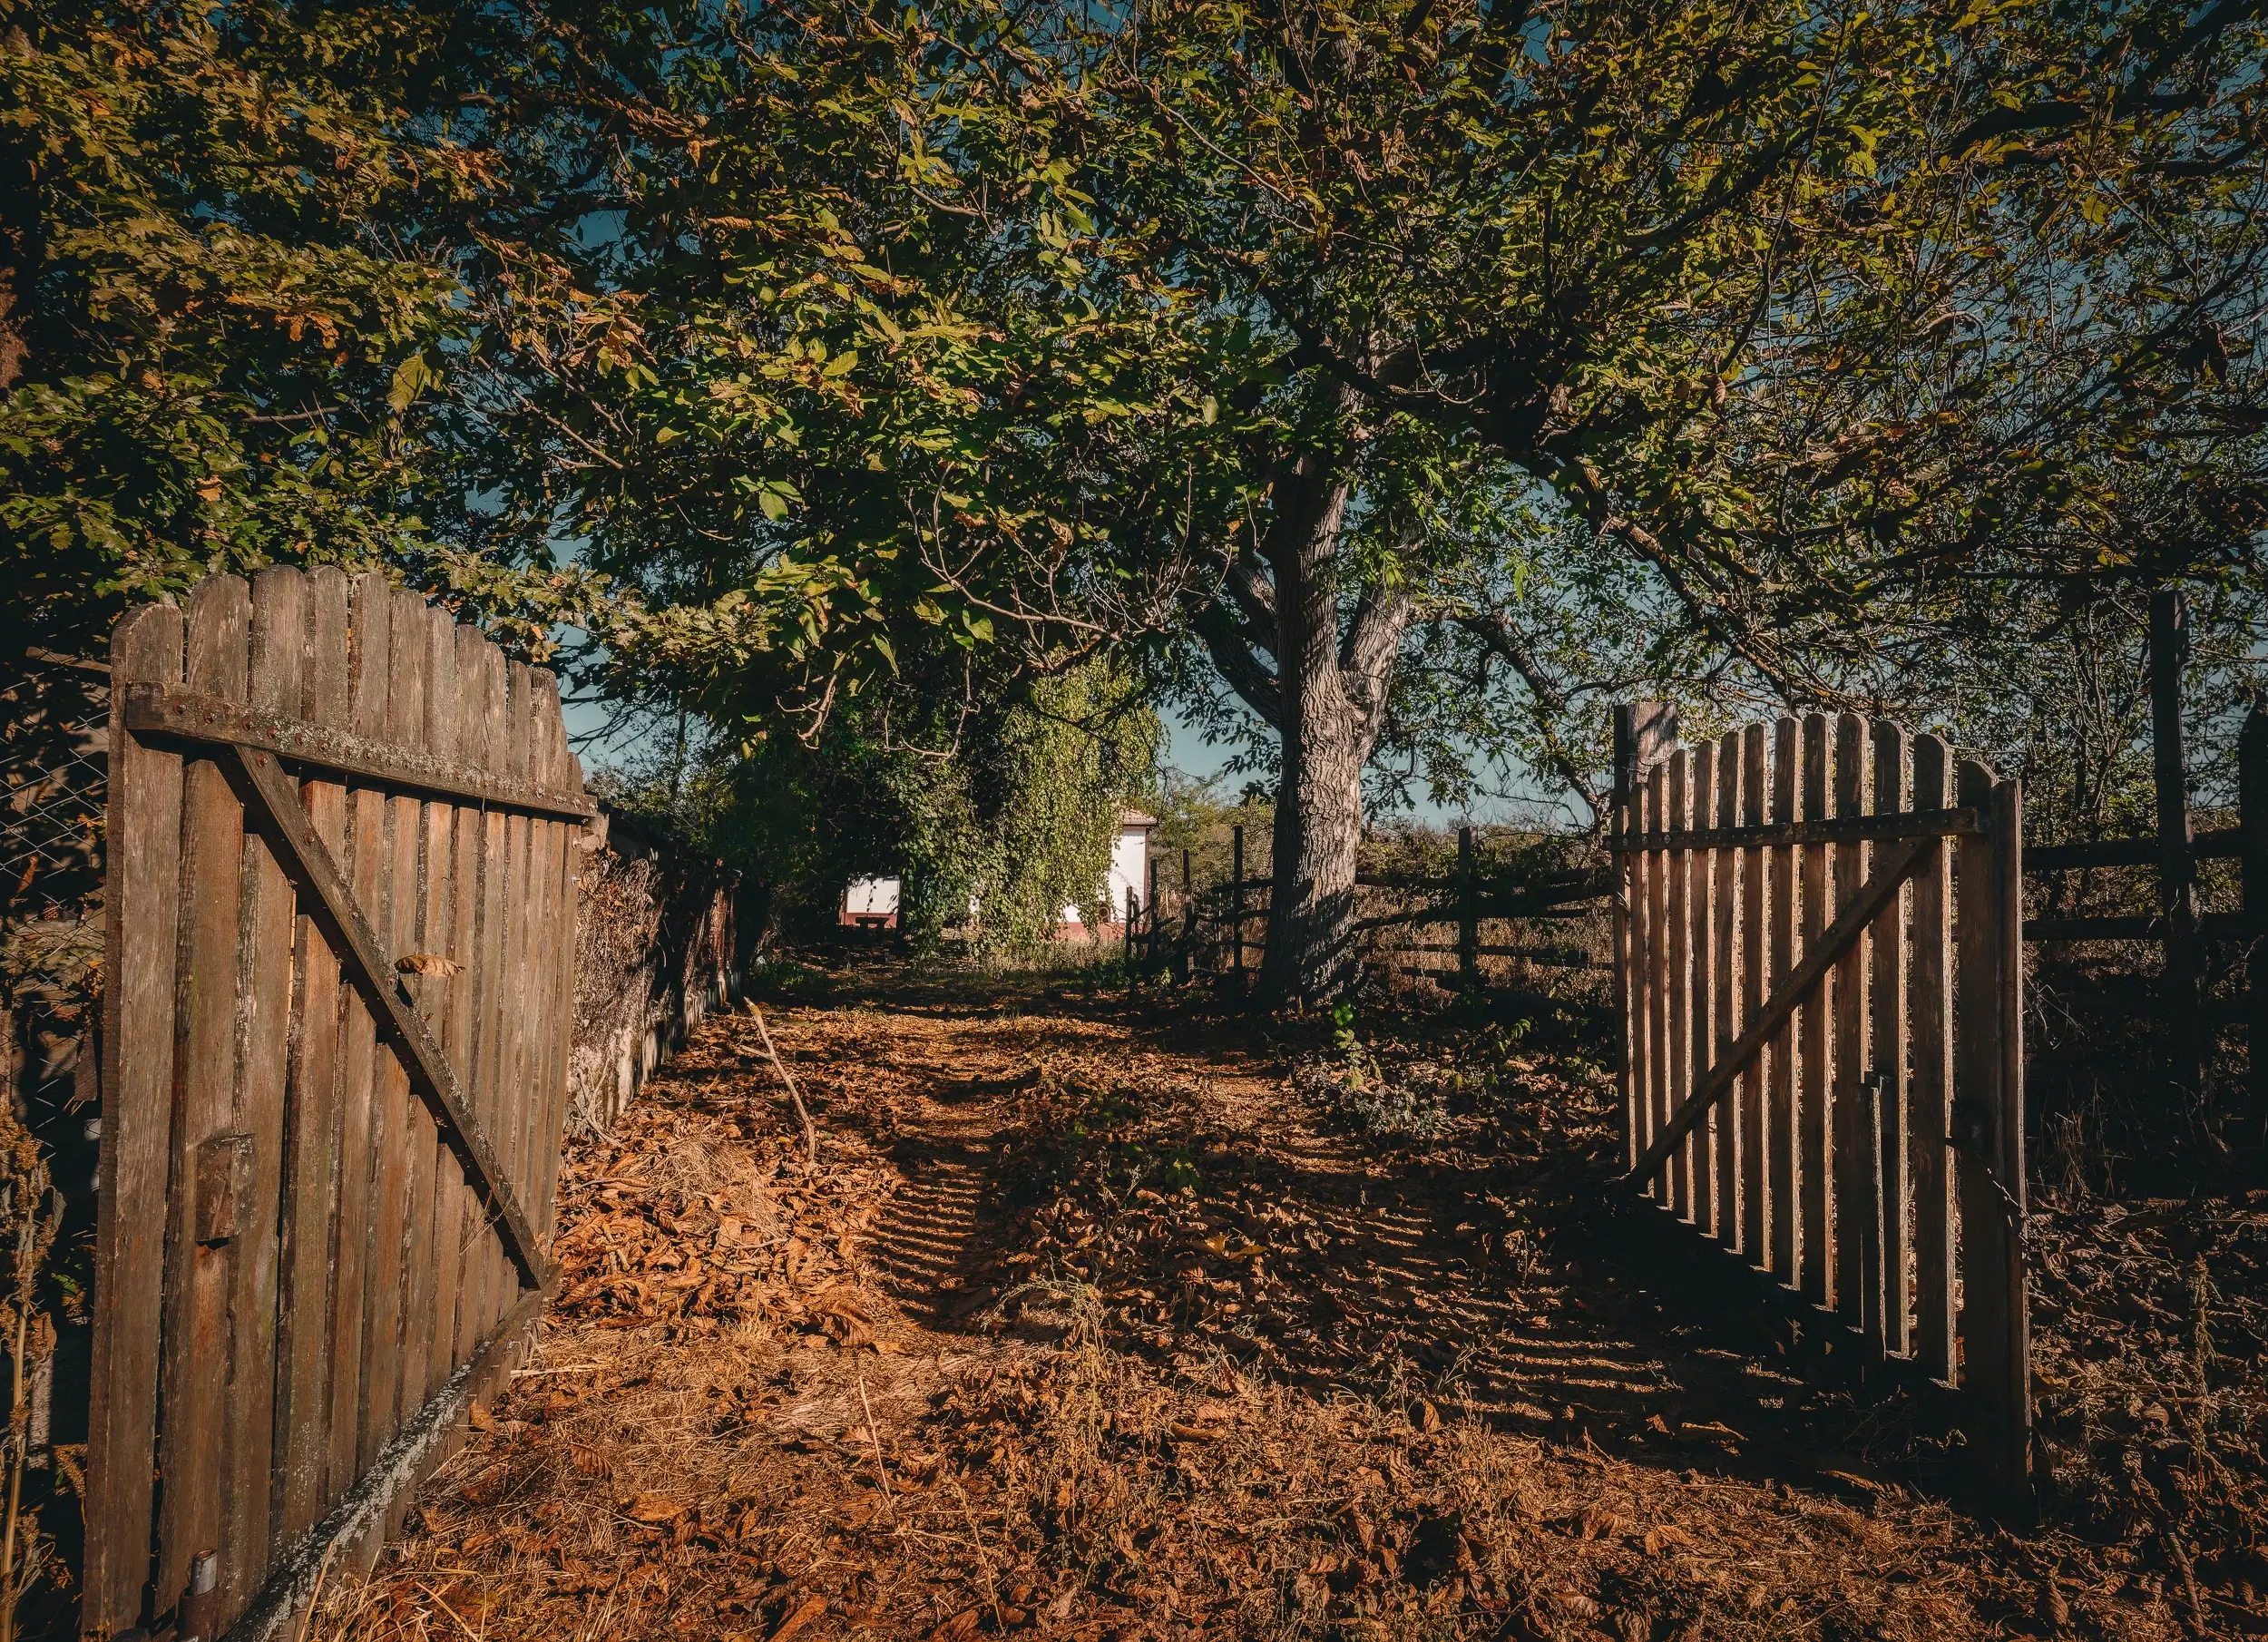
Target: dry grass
(1085,1326)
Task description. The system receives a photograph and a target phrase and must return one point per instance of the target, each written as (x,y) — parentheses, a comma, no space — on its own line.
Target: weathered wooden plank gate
(340,904)
(1819,964)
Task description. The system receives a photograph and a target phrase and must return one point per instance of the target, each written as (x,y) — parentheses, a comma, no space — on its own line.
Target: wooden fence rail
(341,903)
(1215,920)
(1819,978)
(2180,926)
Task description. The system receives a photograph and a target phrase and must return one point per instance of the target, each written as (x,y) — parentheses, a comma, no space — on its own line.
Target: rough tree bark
(1278,639)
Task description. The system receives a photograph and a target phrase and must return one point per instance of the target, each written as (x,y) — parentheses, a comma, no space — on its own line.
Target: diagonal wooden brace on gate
(269,792)
(1873,895)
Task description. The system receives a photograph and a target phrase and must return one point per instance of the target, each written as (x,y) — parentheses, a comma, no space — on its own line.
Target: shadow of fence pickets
(341,883)
(1819,977)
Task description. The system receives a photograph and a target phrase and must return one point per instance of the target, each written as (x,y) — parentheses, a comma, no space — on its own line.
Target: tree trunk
(1330,697)
(1318,825)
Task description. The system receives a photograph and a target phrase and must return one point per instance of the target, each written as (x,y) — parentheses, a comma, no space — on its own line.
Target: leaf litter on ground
(1095,1321)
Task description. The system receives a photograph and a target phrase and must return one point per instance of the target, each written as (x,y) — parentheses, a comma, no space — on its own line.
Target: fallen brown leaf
(810,1608)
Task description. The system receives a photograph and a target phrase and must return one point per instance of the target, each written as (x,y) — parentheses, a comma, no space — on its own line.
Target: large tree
(1821,315)
(847,332)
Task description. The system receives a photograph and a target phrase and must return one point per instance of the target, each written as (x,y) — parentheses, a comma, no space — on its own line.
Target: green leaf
(412,377)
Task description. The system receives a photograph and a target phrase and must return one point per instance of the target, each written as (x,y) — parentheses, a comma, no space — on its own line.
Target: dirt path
(1086,1324)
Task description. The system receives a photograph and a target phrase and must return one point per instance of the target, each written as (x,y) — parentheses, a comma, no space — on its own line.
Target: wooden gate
(1819,958)
(340,904)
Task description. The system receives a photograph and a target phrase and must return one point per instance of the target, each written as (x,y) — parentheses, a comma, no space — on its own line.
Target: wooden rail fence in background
(1819,977)
(341,905)
(2181,926)
(1214,921)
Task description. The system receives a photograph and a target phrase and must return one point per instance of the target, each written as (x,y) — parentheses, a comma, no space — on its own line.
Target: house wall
(872,898)
(1129,868)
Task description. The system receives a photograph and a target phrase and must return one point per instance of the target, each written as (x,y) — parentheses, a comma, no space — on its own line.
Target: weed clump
(1376,1105)
(1362,1093)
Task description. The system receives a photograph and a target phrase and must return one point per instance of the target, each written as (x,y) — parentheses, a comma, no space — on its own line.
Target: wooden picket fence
(341,905)
(1819,966)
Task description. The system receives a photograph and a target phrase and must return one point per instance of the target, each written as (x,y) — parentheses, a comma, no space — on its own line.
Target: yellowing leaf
(653,1507)
(412,377)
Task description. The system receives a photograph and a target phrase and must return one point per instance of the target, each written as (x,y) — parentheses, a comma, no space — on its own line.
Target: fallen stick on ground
(874,1435)
(314,1596)
(983,1562)
(810,1135)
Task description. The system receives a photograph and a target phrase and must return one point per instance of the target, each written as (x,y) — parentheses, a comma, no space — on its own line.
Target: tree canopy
(1401,379)
(1836,324)
(825,372)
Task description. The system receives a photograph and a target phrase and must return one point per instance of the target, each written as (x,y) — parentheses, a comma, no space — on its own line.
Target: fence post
(2252,801)
(1625,875)
(2178,869)
(1187,944)
(1468,915)
(1133,911)
(1236,903)
(1149,944)
(1642,732)
(2007,894)
(1988,1130)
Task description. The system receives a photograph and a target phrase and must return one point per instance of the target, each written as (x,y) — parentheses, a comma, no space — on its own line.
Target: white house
(1129,870)
(871,904)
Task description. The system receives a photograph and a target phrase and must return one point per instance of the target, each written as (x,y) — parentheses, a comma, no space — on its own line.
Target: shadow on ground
(1498,1267)
(1089,1322)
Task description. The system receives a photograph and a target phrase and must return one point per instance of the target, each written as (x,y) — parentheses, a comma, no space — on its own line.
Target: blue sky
(1184,751)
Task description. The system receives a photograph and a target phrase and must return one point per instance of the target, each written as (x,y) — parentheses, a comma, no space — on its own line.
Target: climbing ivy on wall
(1007,798)
(1067,759)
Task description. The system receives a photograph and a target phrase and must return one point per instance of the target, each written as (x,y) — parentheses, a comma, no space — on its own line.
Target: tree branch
(1255,684)
(1374,638)
(1549,701)
(1368,652)
(1246,580)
